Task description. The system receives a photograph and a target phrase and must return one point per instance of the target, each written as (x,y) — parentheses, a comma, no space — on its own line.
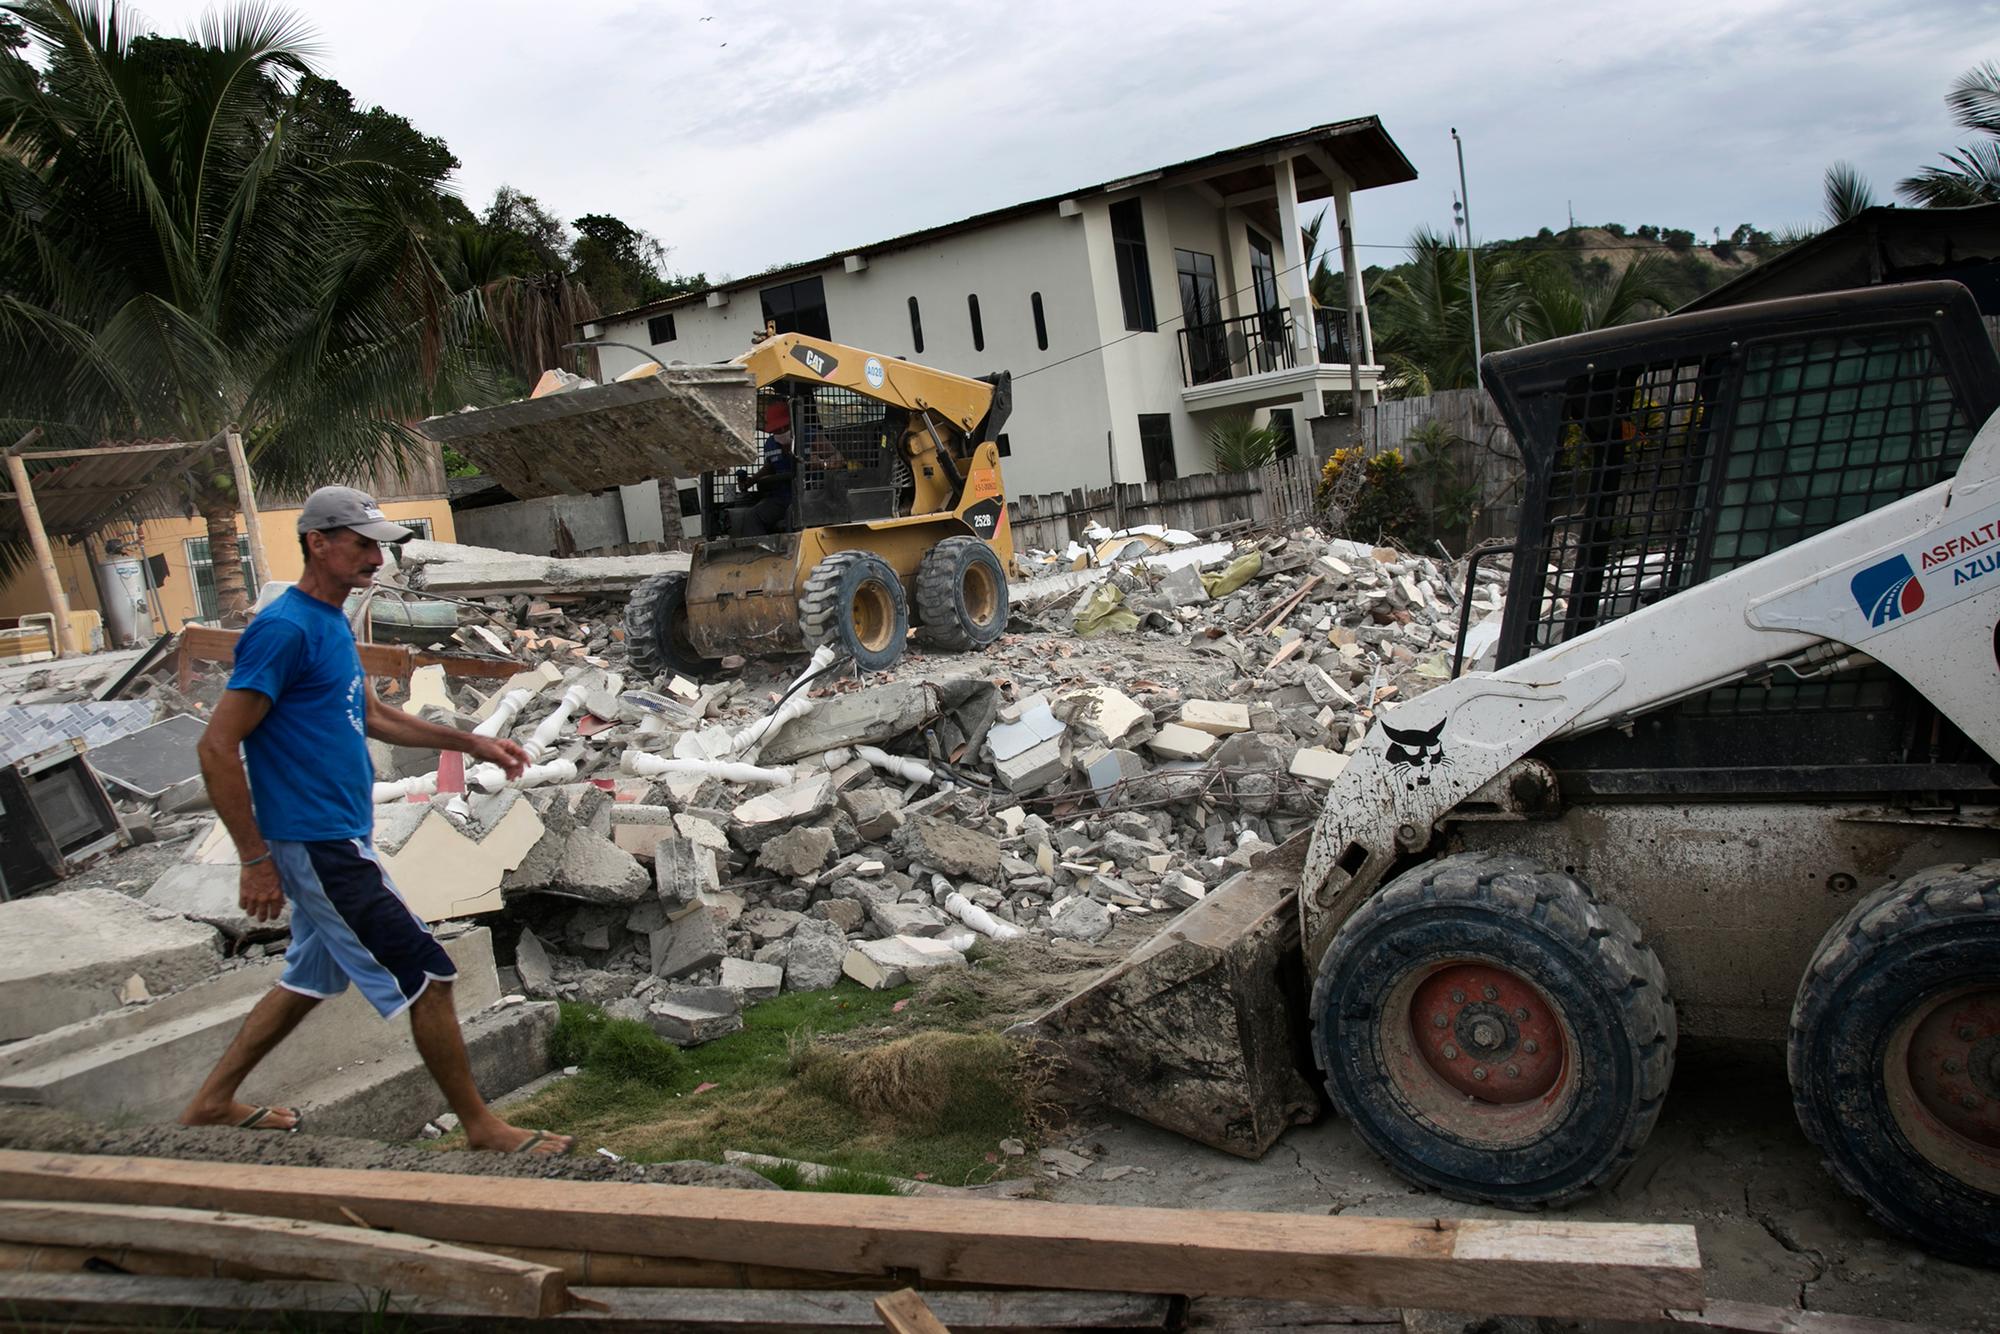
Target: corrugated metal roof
(77,495)
(1361,146)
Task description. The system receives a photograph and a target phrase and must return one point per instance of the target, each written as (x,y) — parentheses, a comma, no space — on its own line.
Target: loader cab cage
(844,460)
(1661,454)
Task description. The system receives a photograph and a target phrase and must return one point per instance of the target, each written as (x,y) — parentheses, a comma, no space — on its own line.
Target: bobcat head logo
(1414,754)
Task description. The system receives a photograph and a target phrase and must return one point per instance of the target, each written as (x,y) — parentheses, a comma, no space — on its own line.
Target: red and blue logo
(1888,590)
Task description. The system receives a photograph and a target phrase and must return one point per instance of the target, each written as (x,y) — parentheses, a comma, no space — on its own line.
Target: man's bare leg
(434,1026)
(267,1024)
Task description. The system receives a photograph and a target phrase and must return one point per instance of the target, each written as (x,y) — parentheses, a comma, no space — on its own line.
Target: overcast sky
(754,133)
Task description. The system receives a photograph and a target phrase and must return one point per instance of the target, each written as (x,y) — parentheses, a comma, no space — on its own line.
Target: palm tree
(185,244)
(1970,175)
(1423,315)
(1847,192)
(1553,305)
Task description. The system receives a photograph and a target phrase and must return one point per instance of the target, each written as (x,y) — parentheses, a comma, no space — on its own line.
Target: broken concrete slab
(751,980)
(895,960)
(213,894)
(1080,918)
(688,1025)
(67,955)
(1176,741)
(1217,719)
(951,848)
(796,853)
(814,956)
(690,943)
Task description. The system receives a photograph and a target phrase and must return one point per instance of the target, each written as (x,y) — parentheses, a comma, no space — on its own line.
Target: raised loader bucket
(681,422)
(1196,1030)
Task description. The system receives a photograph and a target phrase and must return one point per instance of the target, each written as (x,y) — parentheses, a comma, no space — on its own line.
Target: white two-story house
(1133,315)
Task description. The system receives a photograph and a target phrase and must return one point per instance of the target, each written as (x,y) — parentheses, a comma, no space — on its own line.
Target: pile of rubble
(679,850)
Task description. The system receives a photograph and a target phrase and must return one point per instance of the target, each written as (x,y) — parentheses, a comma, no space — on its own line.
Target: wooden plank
(133,1301)
(904,1312)
(290,1246)
(1749,1318)
(1511,1267)
(205,643)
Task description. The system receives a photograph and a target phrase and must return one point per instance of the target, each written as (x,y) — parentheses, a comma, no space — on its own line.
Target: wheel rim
(1942,1073)
(1479,1050)
(980,594)
(874,614)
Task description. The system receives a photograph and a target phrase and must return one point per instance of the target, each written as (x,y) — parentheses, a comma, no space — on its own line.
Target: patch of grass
(834,1181)
(837,1077)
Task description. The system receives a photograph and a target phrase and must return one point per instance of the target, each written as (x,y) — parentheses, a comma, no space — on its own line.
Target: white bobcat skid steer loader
(1733,778)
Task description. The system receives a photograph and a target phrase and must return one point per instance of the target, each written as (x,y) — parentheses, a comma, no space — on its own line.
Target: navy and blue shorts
(350,924)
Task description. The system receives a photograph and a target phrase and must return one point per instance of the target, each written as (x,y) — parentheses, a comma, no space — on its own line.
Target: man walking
(298,708)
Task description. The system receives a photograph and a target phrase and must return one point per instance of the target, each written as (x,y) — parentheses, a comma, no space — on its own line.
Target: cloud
(776,132)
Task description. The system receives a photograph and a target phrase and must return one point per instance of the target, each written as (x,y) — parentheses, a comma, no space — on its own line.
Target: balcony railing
(1234,349)
(1254,345)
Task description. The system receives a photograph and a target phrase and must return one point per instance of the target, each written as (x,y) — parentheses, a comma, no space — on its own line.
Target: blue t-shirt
(311,780)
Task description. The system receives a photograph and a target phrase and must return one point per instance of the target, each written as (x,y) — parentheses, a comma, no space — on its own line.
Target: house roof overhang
(1879,245)
(1360,149)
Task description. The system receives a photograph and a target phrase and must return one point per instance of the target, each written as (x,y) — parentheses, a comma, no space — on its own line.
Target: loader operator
(299,710)
(772,482)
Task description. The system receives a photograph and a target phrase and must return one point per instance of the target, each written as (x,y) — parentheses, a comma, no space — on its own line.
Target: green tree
(192,235)
(1970,175)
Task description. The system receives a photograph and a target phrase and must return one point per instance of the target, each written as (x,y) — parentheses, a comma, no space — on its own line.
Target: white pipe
(421,785)
(797,704)
(908,770)
(551,727)
(504,713)
(654,766)
(976,917)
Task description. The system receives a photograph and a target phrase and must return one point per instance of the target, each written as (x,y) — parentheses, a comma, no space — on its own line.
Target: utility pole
(1471,266)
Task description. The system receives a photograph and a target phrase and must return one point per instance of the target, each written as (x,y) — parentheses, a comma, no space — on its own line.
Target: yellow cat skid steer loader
(879,503)
(1733,778)
(891,511)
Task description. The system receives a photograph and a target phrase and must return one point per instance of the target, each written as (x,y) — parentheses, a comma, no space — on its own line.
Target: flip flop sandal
(256,1119)
(535,1141)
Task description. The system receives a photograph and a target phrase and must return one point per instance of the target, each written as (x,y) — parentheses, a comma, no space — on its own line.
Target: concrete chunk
(880,964)
(1216,719)
(67,955)
(1176,741)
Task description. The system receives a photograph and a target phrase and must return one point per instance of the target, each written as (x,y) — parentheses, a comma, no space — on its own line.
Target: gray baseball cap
(344,507)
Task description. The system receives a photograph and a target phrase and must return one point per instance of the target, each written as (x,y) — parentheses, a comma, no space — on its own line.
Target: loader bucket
(1198,1031)
(681,422)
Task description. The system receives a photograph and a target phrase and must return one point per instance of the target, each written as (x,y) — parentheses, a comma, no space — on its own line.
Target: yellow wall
(168,537)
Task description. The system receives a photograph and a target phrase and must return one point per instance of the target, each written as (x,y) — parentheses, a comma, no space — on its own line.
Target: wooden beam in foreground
(1621,1271)
(109,1300)
(407,1266)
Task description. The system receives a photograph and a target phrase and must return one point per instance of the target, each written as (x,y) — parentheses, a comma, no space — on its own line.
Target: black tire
(656,640)
(1882,1066)
(961,594)
(1547,1125)
(855,602)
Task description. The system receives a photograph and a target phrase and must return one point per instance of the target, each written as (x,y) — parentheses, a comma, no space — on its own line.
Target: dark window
(1135,282)
(978,329)
(1263,274)
(1006,450)
(916,327)
(1156,442)
(660,329)
(1041,322)
(798,307)
(1288,440)
(1201,315)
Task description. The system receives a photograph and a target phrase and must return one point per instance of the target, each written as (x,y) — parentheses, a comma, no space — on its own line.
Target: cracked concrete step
(143,1062)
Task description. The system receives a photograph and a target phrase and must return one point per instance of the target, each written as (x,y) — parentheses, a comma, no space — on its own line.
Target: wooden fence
(1278,495)
(1485,451)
